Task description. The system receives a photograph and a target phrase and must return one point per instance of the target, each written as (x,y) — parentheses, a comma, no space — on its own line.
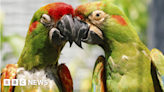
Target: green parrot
(50,28)
(127,65)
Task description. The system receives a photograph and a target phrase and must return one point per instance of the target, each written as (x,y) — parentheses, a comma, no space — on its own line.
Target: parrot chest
(129,73)
(40,80)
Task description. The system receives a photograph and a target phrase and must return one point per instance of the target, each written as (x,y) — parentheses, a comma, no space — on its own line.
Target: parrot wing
(9,72)
(158,61)
(65,77)
(98,78)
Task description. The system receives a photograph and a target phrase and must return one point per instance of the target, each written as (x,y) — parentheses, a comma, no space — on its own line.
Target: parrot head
(106,24)
(50,28)
(52,19)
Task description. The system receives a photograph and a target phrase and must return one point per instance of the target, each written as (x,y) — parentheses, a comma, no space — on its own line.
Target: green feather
(128,62)
(38,50)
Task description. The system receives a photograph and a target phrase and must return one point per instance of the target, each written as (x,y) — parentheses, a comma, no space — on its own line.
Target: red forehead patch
(57,10)
(33,26)
(80,10)
(119,19)
(85,9)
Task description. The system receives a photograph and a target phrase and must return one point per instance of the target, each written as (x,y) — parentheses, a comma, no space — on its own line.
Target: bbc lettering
(22,82)
(14,82)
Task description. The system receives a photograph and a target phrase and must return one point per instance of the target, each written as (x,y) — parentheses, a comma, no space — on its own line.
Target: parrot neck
(127,65)
(39,58)
(127,59)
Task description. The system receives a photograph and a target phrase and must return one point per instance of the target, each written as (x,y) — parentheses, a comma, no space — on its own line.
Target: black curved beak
(63,31)
(66,26)
(93,38)
(69,29)
(73,30)
(81,31)
(86,33)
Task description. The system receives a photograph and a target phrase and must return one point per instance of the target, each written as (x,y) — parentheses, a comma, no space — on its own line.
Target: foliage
(16,43)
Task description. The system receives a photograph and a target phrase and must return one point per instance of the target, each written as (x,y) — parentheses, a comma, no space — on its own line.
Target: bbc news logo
(22,82)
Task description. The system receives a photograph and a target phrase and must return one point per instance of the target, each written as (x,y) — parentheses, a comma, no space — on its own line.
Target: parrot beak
(63,31)
(69,29)
(66,27)
(80,32)
(87,32)
(94,35)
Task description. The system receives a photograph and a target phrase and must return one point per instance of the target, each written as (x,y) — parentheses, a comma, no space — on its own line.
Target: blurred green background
(15,16)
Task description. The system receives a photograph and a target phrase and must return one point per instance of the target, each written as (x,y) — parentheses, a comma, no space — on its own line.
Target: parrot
(50,28)
(128,65)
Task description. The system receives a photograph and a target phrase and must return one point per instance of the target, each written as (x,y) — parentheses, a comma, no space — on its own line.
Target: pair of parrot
(128,65)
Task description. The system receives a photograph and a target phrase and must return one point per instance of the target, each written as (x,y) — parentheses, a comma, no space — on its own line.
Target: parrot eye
(97,15)
(45,19)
